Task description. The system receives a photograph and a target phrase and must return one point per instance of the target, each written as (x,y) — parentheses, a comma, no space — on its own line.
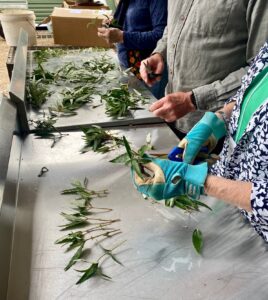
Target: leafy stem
(134,158)
(95,268)
(119,100)
(100,140)
(45,129)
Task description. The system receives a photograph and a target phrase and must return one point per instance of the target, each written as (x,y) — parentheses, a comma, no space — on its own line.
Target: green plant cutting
(120,100)
(100,140)
(90,229)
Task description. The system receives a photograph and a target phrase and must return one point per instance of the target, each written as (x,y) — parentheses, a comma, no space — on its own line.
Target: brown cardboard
(72,5)
(78,27)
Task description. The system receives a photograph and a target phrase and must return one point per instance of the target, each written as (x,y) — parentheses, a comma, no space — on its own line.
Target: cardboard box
(70,4)
(78,27)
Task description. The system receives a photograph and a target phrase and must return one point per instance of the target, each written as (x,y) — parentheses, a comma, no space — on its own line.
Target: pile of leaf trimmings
(43,55)
(37,93)
(73,98)
(44,129)
(119,100)
(87,230)
(91,72)
(100,140)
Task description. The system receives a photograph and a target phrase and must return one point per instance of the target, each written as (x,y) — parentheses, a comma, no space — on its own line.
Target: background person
(240,177)
(207,46)
(141,24)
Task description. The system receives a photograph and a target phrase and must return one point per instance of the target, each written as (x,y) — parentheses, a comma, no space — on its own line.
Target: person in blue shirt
(136,28)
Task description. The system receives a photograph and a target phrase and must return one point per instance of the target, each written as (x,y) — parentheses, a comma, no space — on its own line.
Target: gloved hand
(206,132)
(166,179)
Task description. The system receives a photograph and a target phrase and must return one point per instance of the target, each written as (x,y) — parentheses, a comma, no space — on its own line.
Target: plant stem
(106,234)
(115,247)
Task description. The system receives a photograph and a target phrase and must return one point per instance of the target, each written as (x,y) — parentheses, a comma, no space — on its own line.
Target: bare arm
(234,192)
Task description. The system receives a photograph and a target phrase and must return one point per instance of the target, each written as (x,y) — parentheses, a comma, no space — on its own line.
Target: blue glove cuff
(217,125)
(194,178)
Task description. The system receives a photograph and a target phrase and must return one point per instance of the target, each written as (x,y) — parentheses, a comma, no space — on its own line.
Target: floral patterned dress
(247,160)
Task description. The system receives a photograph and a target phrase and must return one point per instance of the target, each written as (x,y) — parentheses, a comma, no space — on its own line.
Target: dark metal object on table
(150,72)
(43,171)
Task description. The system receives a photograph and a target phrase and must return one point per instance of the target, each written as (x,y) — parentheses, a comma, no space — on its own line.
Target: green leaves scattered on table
(90,228)
(84,80)
(134,158)
(100,140)
(119,101)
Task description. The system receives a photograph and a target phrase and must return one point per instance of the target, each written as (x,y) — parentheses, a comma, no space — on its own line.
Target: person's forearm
(234,192)
(142,40)
(213,95)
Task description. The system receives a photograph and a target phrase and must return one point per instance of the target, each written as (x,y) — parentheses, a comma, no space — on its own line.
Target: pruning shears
(177,152)
(151,74)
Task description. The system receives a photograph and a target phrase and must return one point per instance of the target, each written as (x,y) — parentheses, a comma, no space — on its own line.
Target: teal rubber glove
(164,179)
(206,132)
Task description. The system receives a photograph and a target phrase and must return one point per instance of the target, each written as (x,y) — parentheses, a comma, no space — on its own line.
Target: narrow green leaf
(144,149)
(129,152)
(121,159)
(75,257)
(88,273)
(104,276)
(85,182)
(73,224)
(197,239)
(109,253)
(170,202)
(72,218)
(202,204)
(135,165)
(71,238)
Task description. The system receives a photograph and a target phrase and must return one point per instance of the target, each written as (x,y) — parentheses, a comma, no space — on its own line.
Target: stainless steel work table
(158,257)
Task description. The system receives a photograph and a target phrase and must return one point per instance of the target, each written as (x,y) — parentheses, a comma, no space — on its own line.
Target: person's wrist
(216,124)
(222,116)
(193,99)
(159,55)
(190,96)
(195,177)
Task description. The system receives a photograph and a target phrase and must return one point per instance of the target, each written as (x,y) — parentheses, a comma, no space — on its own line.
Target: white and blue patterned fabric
(248,159)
